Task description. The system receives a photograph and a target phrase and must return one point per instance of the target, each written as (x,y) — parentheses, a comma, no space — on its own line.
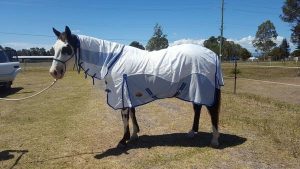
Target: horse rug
(135,77)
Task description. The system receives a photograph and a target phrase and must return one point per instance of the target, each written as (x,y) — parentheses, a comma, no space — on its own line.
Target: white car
(8,70)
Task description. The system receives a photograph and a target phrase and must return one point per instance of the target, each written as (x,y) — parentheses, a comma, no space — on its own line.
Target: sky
(28,23)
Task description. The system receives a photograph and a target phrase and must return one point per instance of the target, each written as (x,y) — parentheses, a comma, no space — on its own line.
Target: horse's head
(64,51)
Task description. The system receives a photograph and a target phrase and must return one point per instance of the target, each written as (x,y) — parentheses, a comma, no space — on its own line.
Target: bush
(238,71)
(296,53)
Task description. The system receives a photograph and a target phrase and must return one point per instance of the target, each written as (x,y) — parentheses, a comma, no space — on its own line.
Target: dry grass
(279,92)
(71,126)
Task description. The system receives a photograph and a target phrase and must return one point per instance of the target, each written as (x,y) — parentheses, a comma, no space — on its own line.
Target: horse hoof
(191,134)
(214,144)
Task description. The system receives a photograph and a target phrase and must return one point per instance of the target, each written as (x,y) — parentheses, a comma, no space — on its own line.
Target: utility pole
(222,22)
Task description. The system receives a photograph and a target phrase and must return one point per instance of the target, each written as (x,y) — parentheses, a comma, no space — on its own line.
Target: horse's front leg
(125,119)
(135,125)
(195,128)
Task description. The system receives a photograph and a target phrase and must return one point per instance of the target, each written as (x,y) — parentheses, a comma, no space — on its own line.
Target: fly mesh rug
(135,77)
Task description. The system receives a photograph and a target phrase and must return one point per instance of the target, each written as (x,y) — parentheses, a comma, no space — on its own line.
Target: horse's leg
(195,128)
(214,114)
(125,119)
(135,125)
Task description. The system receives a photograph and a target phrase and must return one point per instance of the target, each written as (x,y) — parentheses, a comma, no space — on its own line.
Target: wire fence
(277,80)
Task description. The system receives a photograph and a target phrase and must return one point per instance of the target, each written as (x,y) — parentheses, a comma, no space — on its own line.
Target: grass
(278,92)
(70,126)
(267,63)
(255,71)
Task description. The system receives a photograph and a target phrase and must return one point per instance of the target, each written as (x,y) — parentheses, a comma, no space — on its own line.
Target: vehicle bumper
(9,77)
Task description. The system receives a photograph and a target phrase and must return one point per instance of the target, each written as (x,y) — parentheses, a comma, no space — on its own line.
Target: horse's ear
(68,33)
(56,32)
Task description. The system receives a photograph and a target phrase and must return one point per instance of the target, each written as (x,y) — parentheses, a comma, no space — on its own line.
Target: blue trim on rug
(208,105)
(115,60)
(182,86)
(79,62)
(151,94)
(123,84)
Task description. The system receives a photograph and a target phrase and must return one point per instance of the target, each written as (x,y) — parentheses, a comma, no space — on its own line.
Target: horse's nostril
(61,71)
(55,73)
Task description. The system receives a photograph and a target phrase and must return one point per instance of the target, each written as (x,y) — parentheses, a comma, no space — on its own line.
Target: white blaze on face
(57,69)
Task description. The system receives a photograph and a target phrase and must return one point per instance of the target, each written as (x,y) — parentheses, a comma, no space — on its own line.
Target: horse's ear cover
(68,33)
(56,32)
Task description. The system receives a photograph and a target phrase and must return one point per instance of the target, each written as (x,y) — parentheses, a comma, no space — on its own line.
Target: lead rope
(24,98)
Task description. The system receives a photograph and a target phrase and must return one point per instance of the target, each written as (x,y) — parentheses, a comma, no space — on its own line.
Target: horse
(135,77)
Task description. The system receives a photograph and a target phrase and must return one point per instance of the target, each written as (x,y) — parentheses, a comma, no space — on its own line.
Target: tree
(50,52)
(158,40)
(24,52)
(230,49)
(245,54)
(10,52)
(137,45)
(276,53)
(281,52)
(285,49)
(212,44)
(296,53)
(291,14)
(264,37)
(35,52)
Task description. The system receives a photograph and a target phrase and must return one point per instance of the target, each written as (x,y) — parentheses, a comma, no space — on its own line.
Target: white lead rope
(31,95)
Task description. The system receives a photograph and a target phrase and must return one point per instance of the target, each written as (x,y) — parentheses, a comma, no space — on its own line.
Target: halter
(75,49)
(65,62)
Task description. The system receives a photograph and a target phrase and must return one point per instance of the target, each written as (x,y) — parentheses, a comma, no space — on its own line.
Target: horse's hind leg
(214,114)
(195,128)
(135,125)
(125,119)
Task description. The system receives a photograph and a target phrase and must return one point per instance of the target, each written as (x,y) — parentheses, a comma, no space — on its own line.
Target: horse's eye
(66,50)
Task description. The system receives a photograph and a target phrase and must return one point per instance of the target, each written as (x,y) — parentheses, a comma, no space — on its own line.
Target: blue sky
(28,23)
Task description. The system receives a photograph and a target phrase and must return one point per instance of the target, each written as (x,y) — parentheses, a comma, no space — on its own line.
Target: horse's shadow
(8,155)
(202,139)
(6,92)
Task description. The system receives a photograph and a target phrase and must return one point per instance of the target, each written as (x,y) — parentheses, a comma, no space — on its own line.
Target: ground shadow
(202,139)
(6,92)
(7,155)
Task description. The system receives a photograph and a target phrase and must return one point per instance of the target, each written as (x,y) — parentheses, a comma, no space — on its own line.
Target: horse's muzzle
(57,74)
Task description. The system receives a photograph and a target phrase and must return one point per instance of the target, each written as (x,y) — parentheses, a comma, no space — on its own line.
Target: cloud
(25,45)
(246,42)
(188,41)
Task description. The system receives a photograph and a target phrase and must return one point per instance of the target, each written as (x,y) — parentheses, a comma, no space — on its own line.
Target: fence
(278,80)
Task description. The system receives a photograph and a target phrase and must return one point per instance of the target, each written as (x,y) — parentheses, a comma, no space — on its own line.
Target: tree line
(266,34)
(229,51)
(35,51)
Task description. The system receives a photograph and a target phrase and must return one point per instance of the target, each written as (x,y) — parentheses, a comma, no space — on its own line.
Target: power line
(25,34)
(51,36)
